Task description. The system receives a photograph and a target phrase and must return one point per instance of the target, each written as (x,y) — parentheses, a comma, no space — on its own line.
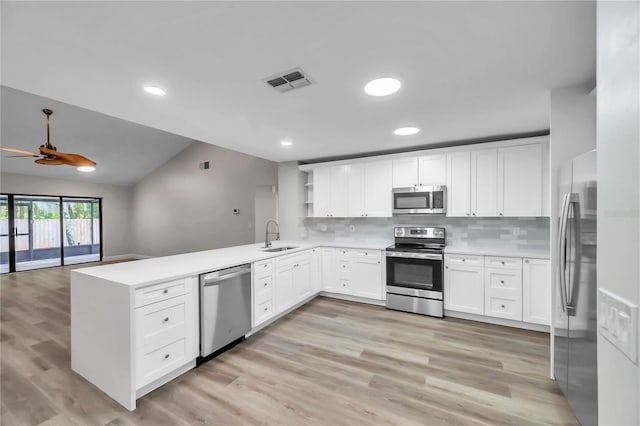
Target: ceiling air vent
(289,80)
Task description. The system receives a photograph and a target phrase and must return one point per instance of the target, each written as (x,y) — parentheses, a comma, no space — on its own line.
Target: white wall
(572,116)
(618,138)
(291,200)
(180,208)
(116,204)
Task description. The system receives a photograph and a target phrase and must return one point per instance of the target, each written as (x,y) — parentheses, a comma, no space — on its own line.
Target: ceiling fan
(49,154)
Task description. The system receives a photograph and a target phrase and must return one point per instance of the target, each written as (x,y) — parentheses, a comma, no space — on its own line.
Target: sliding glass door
(45,231)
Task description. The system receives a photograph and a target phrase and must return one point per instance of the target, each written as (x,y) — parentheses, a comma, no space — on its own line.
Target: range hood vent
(287,81)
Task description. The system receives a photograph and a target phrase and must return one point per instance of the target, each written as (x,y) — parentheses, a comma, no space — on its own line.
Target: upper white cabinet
(520,180)
(356,190)
(458,183)
(427,170)
(484,182)
(432,170)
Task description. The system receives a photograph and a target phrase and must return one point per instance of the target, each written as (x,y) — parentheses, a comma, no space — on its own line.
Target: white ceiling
(125,151)
(469,69)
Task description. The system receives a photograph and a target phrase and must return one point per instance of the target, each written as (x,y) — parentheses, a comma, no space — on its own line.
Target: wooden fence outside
(46,233)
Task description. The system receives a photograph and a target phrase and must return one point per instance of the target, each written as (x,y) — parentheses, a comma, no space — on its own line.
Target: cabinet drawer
(367,254)
(343,266)
(264,310)
(463,260)
(159,292)
(155,363)
(503,307)
(263,287)
(263,267)
(503,262)
(161,322)
(344,286)
(503,280)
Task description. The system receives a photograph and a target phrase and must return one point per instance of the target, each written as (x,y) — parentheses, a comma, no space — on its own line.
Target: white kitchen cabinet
(520,180)
(432,170)
(459,183)
(503,293)
(285,294)
(357,272)
(463,288)
(355,190)
(484,183)
(263,291)
(377,189)
(293,280)
(328,269)
(536,291)
(367,278)
(405,172)
(330,191)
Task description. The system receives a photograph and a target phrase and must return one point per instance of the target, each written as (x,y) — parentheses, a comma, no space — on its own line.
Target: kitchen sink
(275,249)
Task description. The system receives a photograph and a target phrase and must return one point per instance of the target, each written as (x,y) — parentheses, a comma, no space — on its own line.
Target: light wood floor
(329,363)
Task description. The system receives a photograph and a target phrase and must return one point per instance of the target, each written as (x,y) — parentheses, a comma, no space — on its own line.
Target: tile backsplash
(516,233)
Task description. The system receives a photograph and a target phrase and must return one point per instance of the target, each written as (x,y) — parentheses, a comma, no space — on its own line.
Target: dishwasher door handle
(212,279)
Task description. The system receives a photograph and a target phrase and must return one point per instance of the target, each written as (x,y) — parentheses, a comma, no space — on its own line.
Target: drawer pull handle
(166,290)
(464,260)
(166,356)
(501,281)
(166,319)
(502,263)
(502,306)
(526,261)
(266,309)
(266,284)
(446,267)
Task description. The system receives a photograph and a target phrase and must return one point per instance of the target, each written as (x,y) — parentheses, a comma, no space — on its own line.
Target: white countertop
(498,251)
(158,269)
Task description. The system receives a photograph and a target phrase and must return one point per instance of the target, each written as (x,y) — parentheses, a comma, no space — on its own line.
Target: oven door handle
(408,255)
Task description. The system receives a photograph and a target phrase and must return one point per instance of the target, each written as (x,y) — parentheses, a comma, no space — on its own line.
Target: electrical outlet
(352,228)
(322,227)
(618,322)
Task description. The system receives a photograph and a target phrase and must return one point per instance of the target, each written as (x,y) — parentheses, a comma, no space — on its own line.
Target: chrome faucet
(267,243)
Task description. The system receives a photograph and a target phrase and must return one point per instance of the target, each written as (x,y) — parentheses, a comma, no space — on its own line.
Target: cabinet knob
(473,214)
(502,263)
(166,319)
(166,356)
(265,284)
(266,309)
(446,267)
(467,214)
(526,261)
(166,290)
(502,306)
(501,214)
(501,281)
(366,254)
(464,260)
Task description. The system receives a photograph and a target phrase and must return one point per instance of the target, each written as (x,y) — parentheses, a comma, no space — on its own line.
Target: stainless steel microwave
(420,200)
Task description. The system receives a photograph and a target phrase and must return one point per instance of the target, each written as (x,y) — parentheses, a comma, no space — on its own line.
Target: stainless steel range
(415,270)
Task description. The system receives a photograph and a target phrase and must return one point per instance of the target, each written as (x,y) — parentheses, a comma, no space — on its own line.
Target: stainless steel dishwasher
(225,307)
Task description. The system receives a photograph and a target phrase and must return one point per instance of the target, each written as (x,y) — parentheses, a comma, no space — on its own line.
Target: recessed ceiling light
(286,143)
(85,169)
(406,131)
(154,90)
(382,86)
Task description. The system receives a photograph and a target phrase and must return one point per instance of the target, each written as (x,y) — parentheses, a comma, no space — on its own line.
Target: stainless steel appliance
(420,200)
(415,270)
(225,308)
(575,311)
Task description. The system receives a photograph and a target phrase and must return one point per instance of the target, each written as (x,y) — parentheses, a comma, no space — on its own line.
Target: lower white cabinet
(536,289)
(463,285)
(356,272)
(510,288)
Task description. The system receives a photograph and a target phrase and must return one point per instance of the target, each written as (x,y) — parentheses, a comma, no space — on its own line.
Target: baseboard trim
(126,256)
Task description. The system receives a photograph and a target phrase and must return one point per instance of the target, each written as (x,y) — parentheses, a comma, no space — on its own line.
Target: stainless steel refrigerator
(575,311)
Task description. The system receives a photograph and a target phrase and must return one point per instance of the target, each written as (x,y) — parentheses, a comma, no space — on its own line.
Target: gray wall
(180,208)
(116,204)
(618,197)
(291,193)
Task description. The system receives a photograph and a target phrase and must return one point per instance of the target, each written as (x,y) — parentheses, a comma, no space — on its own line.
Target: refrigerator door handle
(562,252)
(574,286)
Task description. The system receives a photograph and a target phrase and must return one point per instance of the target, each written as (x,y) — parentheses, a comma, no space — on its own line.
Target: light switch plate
(618,322)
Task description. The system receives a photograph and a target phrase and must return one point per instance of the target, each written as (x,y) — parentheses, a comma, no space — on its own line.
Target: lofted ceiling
(468,69)
(125,151)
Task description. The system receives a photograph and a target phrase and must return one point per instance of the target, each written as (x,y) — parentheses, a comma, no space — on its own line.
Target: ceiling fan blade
(50,162)
(20,151)
(76,160)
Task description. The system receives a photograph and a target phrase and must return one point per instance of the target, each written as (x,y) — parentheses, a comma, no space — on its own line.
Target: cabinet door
(284,287)
(520,181)
(464,289)
(355,190)
(459,184)
(339,204)
(377,189)
(328,269)
(432,170)
(367,278)
(321,191)
(536,291)
(503,293)
(303,278)
(405,172)
(484,183)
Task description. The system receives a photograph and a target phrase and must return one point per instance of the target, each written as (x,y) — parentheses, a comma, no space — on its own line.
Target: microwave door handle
(562,252)
(430,206)
(574,286)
